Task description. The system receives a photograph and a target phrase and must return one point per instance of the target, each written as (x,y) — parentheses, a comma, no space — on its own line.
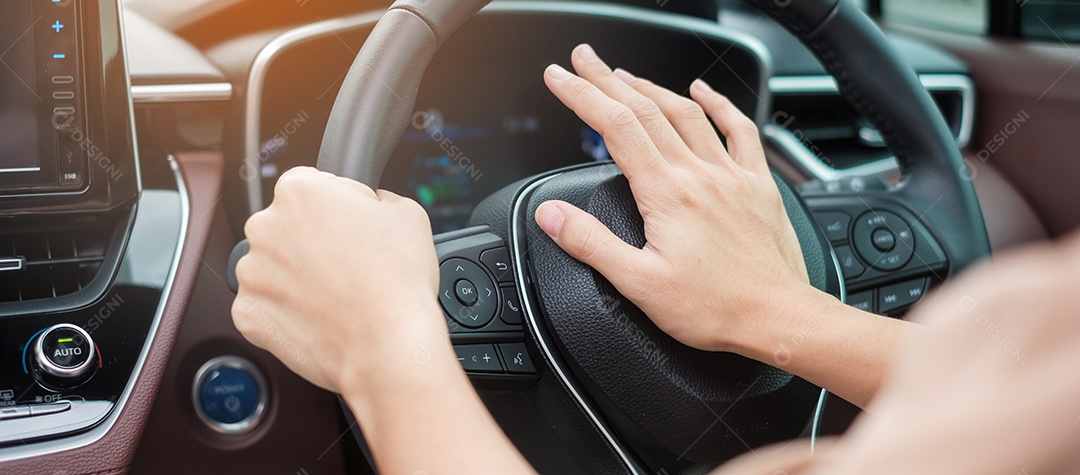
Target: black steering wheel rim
(377,99)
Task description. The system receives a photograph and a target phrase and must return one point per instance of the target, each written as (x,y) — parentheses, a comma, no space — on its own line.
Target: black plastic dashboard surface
(119,323)
(484,118)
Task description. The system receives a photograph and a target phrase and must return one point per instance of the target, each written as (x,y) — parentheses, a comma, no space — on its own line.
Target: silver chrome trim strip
(805,159)
(20,170)
(819,410)
(173,93)
(813,165)
(517,256)
(12,264)
(230,361)
(93,435)
(251,171)
(256,78)
(815,427)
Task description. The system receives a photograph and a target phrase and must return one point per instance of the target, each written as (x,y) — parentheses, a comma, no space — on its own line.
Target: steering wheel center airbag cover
(700,406)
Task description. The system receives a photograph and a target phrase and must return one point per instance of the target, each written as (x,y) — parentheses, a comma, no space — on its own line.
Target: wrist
(414,345)
(781,325)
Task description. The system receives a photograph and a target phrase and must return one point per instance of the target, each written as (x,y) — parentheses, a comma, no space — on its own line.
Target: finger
(591,68)
(630,146)
(685,115)
(744,142)
(588,240)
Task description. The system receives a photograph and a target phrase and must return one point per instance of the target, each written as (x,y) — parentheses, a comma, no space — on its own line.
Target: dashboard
(484,118)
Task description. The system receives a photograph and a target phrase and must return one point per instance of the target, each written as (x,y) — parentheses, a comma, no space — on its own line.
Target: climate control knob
(64,352)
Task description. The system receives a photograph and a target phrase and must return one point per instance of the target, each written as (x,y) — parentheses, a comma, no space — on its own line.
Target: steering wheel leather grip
(364,128)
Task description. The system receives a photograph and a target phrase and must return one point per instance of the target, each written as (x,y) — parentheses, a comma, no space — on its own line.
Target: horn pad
(675,405)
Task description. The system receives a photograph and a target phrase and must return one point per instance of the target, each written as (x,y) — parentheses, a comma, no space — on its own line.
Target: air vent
(47,263)
(811,121)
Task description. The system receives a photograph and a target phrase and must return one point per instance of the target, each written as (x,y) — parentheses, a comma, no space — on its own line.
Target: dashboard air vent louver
(814,124)
(47,263)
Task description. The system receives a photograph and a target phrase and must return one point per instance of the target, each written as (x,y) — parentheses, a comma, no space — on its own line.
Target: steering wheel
(648,396)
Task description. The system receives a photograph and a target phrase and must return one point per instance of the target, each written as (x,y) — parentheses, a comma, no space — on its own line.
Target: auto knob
(64,352)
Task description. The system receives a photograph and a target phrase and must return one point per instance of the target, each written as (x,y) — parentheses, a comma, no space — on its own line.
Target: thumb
(586,239)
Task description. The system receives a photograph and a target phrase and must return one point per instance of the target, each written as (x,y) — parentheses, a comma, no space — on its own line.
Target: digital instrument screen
(483,118)
(18,96)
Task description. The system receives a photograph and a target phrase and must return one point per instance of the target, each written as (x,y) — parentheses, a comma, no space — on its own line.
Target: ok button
(466,292)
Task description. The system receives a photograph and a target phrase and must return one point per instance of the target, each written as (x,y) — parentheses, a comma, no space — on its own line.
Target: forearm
(423,416)
(840,348)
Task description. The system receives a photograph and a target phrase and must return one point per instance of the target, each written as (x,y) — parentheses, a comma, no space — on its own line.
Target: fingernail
(587,53)
(557,72)
(550,218)
(700,85)
(625,75)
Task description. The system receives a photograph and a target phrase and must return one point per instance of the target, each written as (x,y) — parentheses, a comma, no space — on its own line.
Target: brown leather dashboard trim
(112,454)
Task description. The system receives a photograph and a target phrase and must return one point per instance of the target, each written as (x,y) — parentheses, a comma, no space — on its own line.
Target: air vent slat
(56,262)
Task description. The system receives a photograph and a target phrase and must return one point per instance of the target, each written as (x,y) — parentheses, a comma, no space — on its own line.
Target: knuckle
(414,209)
(255,225)
(646,110)
(243,315)
(585,243)
(244,274)
(620,117)
(744,126)
(718,104)
(687,109)
(642,105)
(581,90)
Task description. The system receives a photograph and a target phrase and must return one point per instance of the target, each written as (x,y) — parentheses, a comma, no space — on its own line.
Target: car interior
(909,138)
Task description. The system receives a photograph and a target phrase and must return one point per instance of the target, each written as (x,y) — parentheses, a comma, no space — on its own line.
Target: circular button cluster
(230,394)
(65,351)
(467,293)
(883,239)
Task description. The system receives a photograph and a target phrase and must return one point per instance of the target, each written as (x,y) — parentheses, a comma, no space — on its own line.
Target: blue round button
(229,394)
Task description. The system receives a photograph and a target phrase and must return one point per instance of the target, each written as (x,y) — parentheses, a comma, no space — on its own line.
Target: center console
(85,256)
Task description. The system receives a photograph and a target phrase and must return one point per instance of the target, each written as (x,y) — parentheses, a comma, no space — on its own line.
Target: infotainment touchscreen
(19,99)
(42,130)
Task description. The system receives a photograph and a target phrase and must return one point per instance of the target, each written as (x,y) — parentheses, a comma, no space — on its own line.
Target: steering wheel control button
(498,262)
(862,300)
(478,358)
(230,394)
(849,264)
(511,306)
(871,226)
(516,358)
(884,240)
(65,351)
(834,223)
(897,296)
(467,293)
